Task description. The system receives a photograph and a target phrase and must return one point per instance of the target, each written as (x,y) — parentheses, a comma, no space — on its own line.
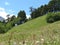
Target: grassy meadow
(33,32)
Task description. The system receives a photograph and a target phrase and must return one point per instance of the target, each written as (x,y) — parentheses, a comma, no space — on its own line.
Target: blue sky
(14,6)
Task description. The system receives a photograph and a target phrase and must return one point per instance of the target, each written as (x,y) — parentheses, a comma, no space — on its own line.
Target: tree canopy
(52,6)
(22,15)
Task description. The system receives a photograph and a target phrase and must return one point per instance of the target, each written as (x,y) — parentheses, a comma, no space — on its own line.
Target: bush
(52,17)
(2,28)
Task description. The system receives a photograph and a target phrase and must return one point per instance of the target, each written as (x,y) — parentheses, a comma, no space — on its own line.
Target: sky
(12,7)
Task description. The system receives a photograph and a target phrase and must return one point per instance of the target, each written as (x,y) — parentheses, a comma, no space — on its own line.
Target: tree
(8,17)
(22,15)
(53,17)
(54,5)
(39,11)
(2,27)
(32,9)
(34,14)
(44,9)
(13,17)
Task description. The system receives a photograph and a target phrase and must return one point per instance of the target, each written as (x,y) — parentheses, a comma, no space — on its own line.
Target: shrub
(52,17)
(2,28)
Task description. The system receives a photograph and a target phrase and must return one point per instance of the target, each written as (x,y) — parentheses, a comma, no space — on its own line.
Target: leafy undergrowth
(34,32)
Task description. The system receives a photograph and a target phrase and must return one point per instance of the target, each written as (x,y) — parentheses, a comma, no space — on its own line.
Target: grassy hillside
(34,32)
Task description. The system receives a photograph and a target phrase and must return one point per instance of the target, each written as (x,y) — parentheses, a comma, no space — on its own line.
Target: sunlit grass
(34,32)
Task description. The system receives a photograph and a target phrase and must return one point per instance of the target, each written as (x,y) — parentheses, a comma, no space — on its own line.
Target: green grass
(32,31)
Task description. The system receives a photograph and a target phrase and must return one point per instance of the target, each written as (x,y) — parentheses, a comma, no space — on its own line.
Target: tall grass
(34,32)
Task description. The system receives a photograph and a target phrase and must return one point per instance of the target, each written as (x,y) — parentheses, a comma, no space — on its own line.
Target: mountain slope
(1,19)
(33,31)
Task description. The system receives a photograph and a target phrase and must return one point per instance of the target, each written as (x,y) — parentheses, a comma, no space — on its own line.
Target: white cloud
(3,13)
(7,3)
(28,16)
(2,9)
(11,15)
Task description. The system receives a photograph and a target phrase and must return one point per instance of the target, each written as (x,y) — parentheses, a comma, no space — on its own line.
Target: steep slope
(34,31)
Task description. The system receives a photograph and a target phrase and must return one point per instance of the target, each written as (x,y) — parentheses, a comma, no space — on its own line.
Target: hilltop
(32,31)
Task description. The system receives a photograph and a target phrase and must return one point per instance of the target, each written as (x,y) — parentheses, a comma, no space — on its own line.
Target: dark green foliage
(22,15)
(2,28)
(35,14)
(8,19)
(52,17)
(52,6)
(13,17)
(15,21)
(12,23)
(39,11)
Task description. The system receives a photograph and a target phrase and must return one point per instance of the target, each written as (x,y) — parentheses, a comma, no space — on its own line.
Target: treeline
(52,6)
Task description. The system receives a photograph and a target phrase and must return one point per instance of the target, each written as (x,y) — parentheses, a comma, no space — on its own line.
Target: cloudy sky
(12,7)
